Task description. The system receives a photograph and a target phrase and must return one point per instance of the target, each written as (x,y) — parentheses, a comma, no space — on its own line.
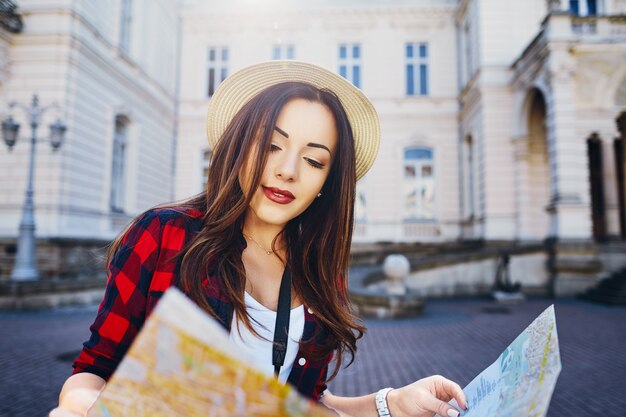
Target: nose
(287,166)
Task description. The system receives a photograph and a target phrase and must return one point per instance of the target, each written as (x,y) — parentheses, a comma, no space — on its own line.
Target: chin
(274,217)
(277,215)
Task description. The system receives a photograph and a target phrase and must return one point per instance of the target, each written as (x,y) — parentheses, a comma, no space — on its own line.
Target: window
(283,52)
(125,21)
(416,69)
(350,63)
(418,184)
(584,7)
(217,68)
(118,167)
(205,163)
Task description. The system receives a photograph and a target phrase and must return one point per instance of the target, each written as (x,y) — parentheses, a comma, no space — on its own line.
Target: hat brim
(234,92)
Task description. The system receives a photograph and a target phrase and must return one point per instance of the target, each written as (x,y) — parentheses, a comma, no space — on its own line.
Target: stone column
(608,132)
(522,192)
(570,212)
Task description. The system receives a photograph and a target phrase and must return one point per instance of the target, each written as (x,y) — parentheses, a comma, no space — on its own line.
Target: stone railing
(603,26)
(564,25)
(419,229)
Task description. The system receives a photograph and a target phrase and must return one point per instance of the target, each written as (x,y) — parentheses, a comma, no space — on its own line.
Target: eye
(274,147)
(314,163)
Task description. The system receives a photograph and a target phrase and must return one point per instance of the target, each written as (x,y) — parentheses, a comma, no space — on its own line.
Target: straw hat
(243,85)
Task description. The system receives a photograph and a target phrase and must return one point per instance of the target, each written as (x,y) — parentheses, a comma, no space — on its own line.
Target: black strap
(281,331)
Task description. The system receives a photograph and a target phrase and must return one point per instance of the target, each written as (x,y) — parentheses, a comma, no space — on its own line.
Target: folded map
(182,364)
(520,383)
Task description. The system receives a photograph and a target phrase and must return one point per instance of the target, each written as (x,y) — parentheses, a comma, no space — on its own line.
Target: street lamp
(25,267)
(57,132)
(9,131)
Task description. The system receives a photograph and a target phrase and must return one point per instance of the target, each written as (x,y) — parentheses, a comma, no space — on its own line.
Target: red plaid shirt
(141,271)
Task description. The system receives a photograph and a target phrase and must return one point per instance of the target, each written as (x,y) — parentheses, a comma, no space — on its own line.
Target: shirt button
(309,310)
(301,361)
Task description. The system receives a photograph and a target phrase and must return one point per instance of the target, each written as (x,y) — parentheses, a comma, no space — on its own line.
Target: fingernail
(453,413)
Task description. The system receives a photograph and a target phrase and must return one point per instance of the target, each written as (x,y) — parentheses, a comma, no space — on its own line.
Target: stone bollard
(391,298)
(396,268)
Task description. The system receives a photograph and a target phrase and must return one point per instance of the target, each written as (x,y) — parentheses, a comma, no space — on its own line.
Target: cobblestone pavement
(455,338)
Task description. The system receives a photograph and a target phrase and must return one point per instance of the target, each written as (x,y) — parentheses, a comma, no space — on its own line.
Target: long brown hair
(317,241)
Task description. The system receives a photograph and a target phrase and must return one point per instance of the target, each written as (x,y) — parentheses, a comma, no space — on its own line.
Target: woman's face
(302,150)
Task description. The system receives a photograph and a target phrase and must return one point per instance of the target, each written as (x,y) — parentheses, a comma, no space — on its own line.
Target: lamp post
(25,267)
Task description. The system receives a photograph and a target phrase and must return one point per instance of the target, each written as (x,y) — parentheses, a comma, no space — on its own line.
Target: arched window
(418,184)
(118,166)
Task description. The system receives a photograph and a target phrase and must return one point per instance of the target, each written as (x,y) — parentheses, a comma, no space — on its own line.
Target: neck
(263,233)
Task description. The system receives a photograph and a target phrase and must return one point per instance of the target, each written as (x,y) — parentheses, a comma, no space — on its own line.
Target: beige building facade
(501,121)
(487,107)
(539,119)
(111,67)
(400,53)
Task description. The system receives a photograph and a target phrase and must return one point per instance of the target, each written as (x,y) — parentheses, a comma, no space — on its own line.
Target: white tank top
(264,321)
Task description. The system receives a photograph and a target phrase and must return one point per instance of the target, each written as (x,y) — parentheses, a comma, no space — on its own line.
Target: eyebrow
(311,144)
(282,132)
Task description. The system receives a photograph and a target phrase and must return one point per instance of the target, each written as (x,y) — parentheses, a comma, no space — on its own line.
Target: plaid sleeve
(123,308)
(321,386)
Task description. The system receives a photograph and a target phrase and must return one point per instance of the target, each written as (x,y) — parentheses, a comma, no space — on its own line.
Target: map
(520,383)
(182,364)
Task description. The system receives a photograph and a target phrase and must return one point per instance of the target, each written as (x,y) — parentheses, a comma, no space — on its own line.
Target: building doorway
(618,148)
(536,218)
(598,207)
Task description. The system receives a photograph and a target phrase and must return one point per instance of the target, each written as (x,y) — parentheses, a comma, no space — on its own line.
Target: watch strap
(381,402)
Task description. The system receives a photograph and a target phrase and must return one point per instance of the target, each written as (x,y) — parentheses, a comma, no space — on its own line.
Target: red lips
(277,195)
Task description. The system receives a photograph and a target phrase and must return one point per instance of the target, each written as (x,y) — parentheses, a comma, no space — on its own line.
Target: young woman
(289,141)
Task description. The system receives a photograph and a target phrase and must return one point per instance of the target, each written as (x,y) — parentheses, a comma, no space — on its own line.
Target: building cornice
(205,8)
(298,24)
(293,20)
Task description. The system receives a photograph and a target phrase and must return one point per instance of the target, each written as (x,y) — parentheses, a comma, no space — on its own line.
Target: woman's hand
(75,403)
(78,394)
(425,398)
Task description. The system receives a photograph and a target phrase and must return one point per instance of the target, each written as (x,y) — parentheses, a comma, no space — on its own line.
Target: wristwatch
(381,402)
